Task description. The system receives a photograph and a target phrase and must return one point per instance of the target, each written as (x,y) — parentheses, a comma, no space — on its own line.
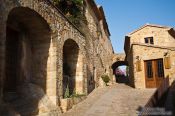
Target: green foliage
(77,95)
(67,95)
(73,9)
(105,78)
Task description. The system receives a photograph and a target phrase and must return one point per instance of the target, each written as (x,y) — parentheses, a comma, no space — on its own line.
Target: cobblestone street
(115,100)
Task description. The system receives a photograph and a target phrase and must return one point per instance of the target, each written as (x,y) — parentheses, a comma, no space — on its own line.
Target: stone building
(150,53)
(98,40)
(42,53)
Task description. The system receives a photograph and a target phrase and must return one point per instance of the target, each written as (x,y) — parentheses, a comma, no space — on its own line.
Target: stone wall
(60,30)
(101,47)
(150,53)
(92,40)
(160,35)
(119,57)
(44,31)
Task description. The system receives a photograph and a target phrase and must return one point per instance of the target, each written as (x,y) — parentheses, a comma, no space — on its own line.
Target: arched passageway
(27,49)
(72,68)
(120,77)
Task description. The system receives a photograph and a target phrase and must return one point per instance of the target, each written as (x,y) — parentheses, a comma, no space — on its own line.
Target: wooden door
(159,71)
(149,76)
(154,73)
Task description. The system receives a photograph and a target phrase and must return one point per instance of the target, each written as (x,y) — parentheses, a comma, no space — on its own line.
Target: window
(149,69)
(149,40)
(146,40)
(160,68)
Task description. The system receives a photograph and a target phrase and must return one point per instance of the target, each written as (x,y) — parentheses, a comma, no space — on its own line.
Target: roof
(127,46)
(150,25)
(172,32)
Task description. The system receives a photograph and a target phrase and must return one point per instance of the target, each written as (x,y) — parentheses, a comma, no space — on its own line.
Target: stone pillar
(79,75)
(59,73)
(51,80)
(85,77)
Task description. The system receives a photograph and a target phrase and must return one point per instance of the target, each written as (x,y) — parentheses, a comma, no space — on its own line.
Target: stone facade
(36,41)
(118,60)
(101,52)
(137,52)
(119,57)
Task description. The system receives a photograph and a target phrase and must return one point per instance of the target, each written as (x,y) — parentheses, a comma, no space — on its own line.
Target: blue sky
(124,16)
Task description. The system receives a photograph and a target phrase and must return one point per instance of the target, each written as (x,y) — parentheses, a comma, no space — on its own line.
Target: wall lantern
(167,60)
(138,64)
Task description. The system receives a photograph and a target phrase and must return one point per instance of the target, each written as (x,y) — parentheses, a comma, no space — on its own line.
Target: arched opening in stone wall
(27,49)
(72,69)
(121,71)
(91,76)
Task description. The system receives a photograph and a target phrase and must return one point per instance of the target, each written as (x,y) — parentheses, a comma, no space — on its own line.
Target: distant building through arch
(119,60)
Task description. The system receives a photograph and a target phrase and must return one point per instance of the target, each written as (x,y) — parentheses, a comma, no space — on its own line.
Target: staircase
(114,100)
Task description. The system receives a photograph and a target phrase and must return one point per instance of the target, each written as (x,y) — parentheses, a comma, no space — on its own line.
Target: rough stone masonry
(42,52)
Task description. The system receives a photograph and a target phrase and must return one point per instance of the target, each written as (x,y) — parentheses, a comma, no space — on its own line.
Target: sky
(125,16)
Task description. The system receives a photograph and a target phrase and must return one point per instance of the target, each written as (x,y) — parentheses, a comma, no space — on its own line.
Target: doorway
(154,73)
(12,60)
(121,72)
(72,69)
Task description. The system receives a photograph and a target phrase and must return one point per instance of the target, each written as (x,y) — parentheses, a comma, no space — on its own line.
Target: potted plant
(105,79)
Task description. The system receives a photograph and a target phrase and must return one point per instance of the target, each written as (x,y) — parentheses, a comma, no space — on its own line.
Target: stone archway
(61,29)
(27,47)
(28,41)
(72,68)
(115,65)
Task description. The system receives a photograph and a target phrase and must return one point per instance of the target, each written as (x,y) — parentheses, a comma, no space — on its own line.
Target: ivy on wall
(72,9)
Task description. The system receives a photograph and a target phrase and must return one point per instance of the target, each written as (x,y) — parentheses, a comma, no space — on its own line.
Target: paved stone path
(115,100)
